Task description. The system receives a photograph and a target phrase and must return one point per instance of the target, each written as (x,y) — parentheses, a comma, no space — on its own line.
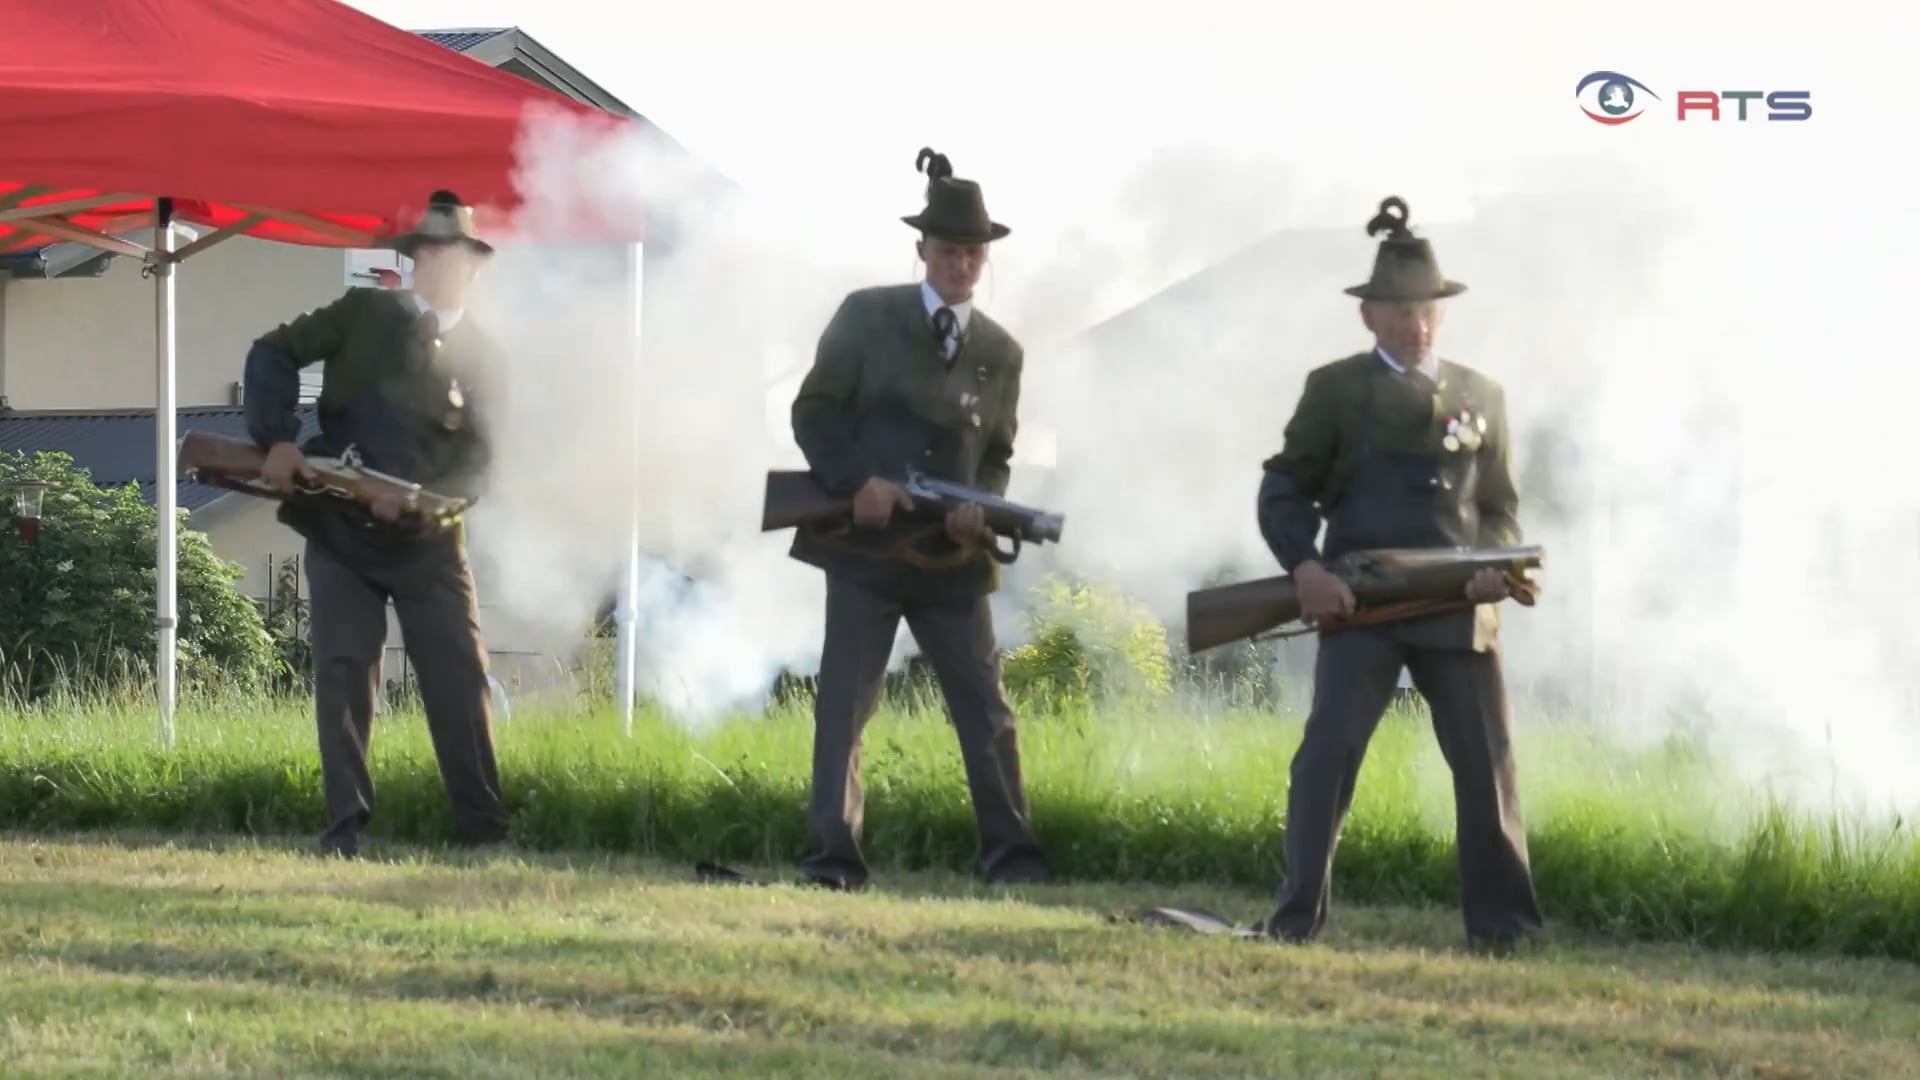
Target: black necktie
(944,325)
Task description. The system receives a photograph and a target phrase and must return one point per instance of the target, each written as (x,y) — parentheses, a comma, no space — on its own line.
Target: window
(310,377)
(365,266)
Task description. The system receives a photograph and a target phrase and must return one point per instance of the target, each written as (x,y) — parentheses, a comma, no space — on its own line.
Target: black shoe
(836,883)
(338,847)
(1270,929)
(1506,944)
(1020,873)
(714,873)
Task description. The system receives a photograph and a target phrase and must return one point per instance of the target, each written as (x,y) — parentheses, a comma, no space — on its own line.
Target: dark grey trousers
(1355,675)
(860,630)
(433,596)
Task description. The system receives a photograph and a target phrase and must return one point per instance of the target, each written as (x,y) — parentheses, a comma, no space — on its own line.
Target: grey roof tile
(115,446)
(462,40)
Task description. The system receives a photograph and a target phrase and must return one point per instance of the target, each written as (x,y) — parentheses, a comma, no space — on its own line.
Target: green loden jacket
(1367,454)
(881,399)
(415,408)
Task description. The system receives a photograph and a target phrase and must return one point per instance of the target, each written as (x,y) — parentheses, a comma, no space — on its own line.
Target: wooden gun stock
(1243,610)
(794,498)
(217,460)
(1388,585)
(220,460)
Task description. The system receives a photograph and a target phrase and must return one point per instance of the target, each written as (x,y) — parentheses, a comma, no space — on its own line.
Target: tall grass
(1651,842)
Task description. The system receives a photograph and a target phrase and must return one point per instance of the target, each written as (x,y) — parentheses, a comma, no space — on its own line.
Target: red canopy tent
(298,121)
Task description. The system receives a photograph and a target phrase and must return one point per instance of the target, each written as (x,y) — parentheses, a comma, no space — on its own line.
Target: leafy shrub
(1242,672)
(76,608)
(1088,642)
(287,620)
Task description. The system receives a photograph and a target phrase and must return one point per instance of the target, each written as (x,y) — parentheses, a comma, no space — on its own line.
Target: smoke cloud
(1709,444)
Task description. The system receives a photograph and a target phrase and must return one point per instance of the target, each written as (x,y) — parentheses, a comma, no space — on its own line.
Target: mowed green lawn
(125,955)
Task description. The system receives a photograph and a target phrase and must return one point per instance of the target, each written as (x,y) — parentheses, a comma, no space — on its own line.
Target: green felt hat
(447,221)
(1404,268)
(956,209)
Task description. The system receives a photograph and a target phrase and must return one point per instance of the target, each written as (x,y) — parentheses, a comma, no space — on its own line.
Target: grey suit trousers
(433,595)
(959,644)
(1355,675)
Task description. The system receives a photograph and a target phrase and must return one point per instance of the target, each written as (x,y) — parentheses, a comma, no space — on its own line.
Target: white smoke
(673,437)
(1708,441)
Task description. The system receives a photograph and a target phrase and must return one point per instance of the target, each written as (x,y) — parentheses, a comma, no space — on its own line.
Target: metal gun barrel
(1036,525)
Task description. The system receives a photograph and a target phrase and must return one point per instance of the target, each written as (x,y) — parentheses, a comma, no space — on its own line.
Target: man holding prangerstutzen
(914,377)
(1395,448)
(404,385)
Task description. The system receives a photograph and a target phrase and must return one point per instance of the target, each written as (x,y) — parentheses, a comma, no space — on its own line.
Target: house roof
(515,51)
(1290,256)
(512,49)
(115,446)
(461,40)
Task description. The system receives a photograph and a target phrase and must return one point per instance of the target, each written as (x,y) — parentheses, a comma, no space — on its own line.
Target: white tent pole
(626,647)
(165,493)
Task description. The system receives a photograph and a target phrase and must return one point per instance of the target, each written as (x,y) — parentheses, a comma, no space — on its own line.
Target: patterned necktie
(945,324)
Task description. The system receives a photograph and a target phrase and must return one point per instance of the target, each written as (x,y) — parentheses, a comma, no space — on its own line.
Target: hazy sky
(1058,108)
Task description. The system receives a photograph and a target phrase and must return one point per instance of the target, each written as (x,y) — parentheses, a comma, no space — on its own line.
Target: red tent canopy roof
(312,122)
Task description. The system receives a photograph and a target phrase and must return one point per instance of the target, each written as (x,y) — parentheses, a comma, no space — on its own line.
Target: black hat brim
(1370,291)
(995,230)
(408,243)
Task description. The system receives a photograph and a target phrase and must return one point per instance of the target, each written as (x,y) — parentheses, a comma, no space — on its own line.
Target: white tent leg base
(625,648)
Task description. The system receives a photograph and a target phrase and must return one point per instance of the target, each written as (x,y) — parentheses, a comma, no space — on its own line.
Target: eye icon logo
(1615,100)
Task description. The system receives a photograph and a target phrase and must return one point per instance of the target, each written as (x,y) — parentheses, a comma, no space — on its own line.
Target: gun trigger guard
(1524,592)
(829,531)
(1004,558)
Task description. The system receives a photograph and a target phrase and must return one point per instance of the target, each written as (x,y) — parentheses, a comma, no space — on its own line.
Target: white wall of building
(87,343)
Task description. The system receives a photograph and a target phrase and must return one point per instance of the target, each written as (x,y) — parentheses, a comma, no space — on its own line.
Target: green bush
(1088,642)
(1243,672)
(77,608)
(287,621)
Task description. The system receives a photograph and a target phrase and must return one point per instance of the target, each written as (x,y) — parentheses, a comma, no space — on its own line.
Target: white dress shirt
(447,318)
(1431,368)
(961,312)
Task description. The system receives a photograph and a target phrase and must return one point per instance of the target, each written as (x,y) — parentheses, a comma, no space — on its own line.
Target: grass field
(1651,844)
(122,955)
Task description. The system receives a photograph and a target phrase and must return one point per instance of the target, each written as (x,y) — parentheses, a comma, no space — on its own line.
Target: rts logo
(1617,99)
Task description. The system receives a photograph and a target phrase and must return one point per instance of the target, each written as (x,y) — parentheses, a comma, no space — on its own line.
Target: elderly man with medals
(401,378)
(1395,448)
(914,377)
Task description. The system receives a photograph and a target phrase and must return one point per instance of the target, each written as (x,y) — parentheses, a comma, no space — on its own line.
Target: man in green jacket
(914,377)
(1393,447)
(405,384)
